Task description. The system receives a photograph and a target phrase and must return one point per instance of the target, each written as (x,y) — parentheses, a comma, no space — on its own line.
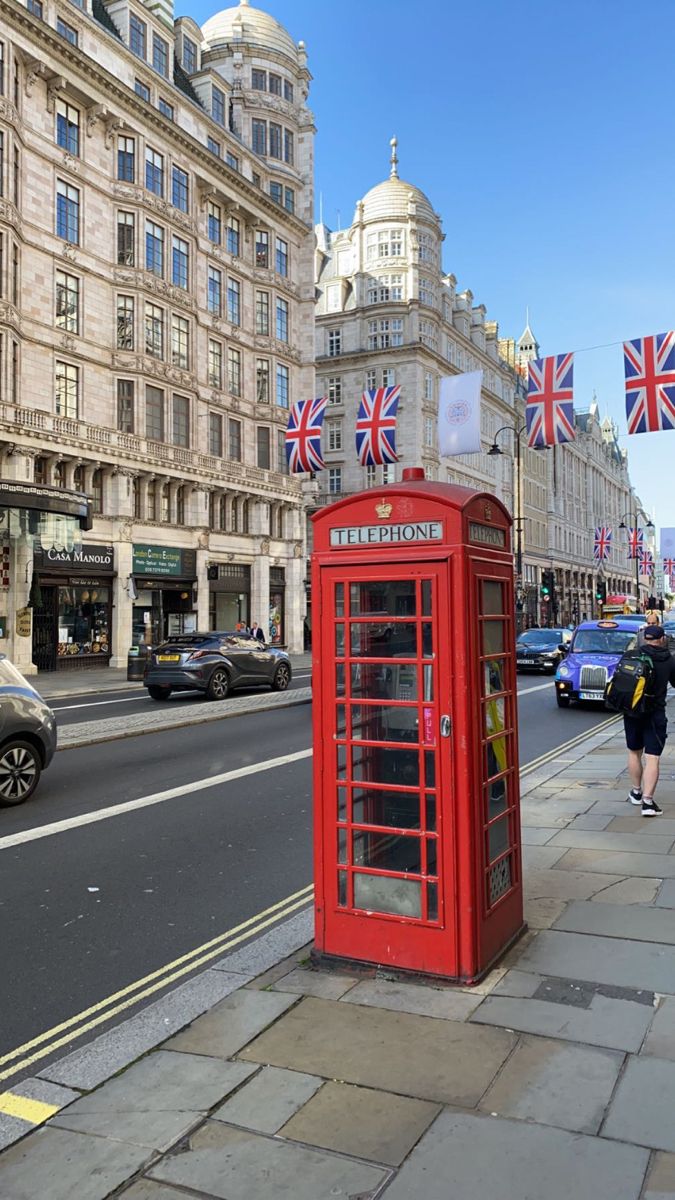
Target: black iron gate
(45,630)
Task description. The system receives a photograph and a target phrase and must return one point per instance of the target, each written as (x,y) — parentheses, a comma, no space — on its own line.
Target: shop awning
(36,497)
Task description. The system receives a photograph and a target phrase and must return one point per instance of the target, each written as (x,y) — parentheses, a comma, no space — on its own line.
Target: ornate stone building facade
(156,315)
(387,313)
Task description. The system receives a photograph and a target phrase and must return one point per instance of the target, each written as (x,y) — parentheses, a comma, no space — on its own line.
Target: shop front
(165,590)
(277,614)
(72,606)
(229,595)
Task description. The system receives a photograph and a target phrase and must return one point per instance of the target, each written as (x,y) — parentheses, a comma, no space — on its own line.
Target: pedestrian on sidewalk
(651,618)
(646,734)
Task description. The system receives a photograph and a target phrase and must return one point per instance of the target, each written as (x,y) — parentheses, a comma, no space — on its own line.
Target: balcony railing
(144,453)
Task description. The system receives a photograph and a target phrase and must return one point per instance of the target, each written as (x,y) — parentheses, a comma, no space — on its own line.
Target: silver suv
(27,735)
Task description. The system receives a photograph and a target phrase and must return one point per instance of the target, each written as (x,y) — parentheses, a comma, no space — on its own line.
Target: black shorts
(647,733)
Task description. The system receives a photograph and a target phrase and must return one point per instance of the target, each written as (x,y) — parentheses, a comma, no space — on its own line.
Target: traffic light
(545,589)
(601,591)
(651,602)
(662,604)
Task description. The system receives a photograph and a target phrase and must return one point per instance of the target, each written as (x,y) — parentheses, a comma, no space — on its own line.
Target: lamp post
(622,525)
(495,448)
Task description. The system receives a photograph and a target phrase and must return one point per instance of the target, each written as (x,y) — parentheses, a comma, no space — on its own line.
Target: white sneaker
(650,809)
(634,796)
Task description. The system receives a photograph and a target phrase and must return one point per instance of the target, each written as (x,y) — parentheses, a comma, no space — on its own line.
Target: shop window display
(84,620)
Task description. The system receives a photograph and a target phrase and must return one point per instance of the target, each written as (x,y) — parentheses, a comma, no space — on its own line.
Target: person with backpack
(646,730)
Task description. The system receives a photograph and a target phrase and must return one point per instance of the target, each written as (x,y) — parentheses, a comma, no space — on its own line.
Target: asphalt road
(88,910)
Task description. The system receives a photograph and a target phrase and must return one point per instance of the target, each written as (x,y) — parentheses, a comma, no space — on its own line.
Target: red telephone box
(416,788)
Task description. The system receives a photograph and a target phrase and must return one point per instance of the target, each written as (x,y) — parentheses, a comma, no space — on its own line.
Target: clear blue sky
(541,132)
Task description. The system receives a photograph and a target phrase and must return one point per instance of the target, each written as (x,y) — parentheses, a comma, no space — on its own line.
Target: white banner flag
(459,413)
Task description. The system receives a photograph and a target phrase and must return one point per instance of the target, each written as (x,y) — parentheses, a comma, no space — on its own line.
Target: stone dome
(391,198)
(246,24)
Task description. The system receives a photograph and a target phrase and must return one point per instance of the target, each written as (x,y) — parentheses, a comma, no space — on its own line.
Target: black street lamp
(517,432)
(649,525)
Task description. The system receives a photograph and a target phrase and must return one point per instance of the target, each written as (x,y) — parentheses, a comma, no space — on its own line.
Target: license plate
(522,662)
(168,658)
(591,695)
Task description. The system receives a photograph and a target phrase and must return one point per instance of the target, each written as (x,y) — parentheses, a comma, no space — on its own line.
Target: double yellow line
(550,755)
(60,1035)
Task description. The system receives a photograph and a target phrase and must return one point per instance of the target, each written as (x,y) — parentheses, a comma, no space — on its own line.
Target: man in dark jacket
(646,735)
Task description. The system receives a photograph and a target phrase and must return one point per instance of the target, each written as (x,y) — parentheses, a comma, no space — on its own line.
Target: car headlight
(564,672)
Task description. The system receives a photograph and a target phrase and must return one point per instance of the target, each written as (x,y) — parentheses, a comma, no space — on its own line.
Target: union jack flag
(649,367)
(647,563)
(303,435)
(376,426)
(636,542)
(669,566)
(549,412)
(603,543)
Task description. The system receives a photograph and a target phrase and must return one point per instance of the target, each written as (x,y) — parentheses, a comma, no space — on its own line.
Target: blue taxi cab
(591,657)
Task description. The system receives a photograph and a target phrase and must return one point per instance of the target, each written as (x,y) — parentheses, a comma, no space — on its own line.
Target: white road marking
(95,703)
(125,700)
(117,810)
(539,688)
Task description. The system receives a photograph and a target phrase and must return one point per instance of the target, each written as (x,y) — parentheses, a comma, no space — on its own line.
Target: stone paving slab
(228,1026)
(566,885)
(397,1052)
(422,999)
(55,1164)
(538,835)
(106,1055)
(555,1083)
(629,921)
(146,1189)
(231,1164)
(666,894)
(518,983)
(629,891)
(617,862)
(542,912)
(541,856)
(602,960)
(156,1101)
(636,824)
(362,1122)
(592,820)
(305,981)
(269,1100)
(608,1023)
(644,1103)
(660,1041)
(467,1157)
(599,839)
(661,1179)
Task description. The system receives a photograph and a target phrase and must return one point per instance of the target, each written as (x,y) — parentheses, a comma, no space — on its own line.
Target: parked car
(539,649)
(669,630)
(27,735)
(591,657)
(214,663)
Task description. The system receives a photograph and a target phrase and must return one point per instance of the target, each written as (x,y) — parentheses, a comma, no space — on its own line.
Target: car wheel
(218,686)
(282,678)
(563,701)
(159,693)
(20,769)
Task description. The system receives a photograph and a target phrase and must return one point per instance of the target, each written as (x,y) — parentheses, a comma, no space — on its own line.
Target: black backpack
(630,688)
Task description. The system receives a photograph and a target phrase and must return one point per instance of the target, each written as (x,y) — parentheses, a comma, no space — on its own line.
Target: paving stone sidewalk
(554,1077)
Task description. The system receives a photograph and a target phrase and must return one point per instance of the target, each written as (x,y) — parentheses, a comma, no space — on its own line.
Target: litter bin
(136,660)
